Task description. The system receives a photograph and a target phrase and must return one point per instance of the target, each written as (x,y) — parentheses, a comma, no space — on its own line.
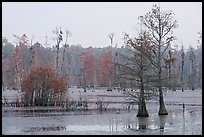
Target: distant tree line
(89,66)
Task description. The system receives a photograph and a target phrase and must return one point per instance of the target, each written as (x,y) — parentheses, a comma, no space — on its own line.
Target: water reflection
(130,125)
(183,119)
(179,121)
(145,123)
(162,121)
(52,128)
(113,125)
(140,124)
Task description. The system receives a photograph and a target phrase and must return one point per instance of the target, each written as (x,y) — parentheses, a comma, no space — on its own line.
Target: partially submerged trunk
(142,111)
(162,109)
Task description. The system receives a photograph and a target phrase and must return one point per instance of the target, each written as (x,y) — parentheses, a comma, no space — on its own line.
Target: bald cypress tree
(159,25)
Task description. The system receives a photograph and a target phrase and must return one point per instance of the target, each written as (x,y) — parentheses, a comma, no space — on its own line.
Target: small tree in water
(137,70)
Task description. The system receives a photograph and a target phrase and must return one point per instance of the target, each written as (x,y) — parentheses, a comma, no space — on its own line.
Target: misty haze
(104,68)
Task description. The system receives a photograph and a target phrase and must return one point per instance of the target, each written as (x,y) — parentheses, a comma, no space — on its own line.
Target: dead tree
(170,63)
(20,57)
(111,35)
(68,33)
(58,33)
(182,66)
(192,71)
(200,62)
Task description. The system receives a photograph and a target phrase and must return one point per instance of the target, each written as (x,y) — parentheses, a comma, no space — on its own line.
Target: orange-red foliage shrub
(43,87)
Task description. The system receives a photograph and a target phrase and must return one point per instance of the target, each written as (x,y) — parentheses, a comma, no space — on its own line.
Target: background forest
(88,67)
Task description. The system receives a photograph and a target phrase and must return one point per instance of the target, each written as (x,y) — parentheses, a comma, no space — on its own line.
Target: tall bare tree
(159,25)
(192,71)
(111,35)
(66,45)
(182,67)
(170,64)
(21,58)
(58,33)
(200,62)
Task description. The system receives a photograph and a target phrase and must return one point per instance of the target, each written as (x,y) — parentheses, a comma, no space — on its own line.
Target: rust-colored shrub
(43,87)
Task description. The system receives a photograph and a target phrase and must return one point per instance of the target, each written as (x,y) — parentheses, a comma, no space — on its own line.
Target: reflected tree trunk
(162,121)
(143,123)
(142,111)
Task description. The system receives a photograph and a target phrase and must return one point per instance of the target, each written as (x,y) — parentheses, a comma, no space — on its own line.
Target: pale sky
(91,22)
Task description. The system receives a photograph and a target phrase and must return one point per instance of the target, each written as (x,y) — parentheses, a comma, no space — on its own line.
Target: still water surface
(179,122)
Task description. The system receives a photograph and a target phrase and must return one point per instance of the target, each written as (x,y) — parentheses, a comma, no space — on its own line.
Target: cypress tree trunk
(162,109)
(142,111)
